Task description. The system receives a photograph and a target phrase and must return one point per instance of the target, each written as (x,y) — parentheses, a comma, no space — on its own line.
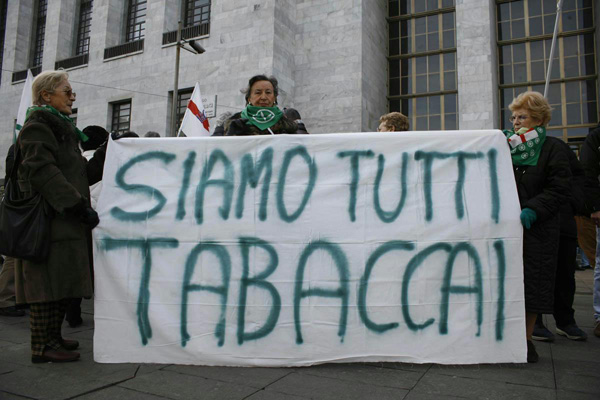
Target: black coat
(576,203)
(10,160)
(590,160)
(543,188)
(52,165)
(284,125)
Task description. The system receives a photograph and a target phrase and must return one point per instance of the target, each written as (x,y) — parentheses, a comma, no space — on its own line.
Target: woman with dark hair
(261,115)
(542,173)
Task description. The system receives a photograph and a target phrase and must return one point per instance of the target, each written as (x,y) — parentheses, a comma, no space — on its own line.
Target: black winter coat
(284,125)
(576,203)
(543,188)
(590,160)
(52,165)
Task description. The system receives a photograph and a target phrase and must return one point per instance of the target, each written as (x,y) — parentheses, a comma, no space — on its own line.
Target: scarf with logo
(262,117)
(525,144)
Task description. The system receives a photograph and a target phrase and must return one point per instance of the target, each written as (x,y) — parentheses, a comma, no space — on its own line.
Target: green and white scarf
(82,136)
(262,117)
(525,144)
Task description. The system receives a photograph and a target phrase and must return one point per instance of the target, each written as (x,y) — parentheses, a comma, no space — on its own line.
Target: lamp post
(196,49)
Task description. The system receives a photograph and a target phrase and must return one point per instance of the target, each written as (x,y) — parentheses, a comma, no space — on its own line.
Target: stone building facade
(332,58)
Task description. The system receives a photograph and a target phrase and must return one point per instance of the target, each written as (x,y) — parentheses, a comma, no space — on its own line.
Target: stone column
(17,43)
(476,64)
(328,65)
(374,76)
(59,37)
(284,49)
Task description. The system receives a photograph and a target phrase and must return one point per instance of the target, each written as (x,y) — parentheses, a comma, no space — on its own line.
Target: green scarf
(54,111)
(527,148)
(262,117)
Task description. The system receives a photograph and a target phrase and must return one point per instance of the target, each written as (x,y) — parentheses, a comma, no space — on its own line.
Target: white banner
(294,250)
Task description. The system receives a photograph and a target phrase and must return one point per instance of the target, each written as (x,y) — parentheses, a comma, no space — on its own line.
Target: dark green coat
(52,165)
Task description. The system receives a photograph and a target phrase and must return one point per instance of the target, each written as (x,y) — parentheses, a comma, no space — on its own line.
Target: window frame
(135,30)
(410,101)
(3,17)
(189,12)
(84,27)
(560,83)
(116,108)
(182,107)
(38,33)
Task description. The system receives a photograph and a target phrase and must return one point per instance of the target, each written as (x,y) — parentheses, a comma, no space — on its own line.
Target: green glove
(528,217)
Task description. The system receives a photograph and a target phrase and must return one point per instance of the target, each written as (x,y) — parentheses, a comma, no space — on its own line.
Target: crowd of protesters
(559,196)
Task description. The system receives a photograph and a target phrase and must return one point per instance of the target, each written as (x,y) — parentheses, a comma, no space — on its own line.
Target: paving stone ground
(567,370)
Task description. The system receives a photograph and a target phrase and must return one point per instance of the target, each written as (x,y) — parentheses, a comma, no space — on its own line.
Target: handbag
(24,221)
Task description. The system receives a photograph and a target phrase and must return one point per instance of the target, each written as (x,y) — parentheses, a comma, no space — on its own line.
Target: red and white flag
(194,121)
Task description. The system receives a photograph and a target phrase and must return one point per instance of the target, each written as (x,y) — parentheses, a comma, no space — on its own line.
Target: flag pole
(176,83)
(549,72)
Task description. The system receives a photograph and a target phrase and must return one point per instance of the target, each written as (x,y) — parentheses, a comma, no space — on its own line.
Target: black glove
(84,213)
(89,217)
(116,136)
(238,127)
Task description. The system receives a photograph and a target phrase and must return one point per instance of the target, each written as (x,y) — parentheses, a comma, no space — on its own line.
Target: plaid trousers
(46,321)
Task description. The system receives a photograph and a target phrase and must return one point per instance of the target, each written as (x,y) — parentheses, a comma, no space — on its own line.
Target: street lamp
(196,49)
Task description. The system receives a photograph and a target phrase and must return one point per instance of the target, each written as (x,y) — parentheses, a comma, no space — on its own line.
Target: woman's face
(521,118)
(262,94)
(62,98)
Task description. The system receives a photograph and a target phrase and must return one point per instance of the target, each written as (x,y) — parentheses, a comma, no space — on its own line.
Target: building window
(524,34)
(121,116)
(39,32)
(196,12)
(3,10)
(85,25)
(183,97)
(422,62)
(136,20)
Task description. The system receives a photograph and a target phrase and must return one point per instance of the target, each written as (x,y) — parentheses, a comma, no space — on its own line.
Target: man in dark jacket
(564,287)
(7,275)
(590,159)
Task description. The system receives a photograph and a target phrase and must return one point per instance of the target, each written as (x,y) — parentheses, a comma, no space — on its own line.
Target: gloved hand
(84,213)
(238,127)
(117,136)
(528,217)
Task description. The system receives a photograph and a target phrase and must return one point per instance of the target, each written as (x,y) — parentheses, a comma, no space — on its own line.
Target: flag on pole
(26,102)
(194,121)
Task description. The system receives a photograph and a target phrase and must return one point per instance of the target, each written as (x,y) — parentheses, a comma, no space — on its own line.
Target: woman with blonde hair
(50,163)
(542,173)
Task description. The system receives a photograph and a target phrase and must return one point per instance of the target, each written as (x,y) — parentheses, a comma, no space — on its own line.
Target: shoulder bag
(24,221)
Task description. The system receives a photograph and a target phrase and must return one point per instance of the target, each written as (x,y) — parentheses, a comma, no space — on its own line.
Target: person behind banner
(261,115)
(7,273)
(542,174)
(393,122)
(53,166)
(590,159)
(293,115)
(565,285)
